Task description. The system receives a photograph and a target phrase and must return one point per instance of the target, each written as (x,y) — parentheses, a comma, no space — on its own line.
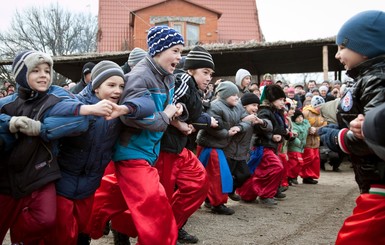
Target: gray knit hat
(197,58)
(136,55)
(104,70)
(226,89)
(25,61)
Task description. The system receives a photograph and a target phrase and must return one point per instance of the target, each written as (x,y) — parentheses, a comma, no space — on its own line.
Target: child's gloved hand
(25,125)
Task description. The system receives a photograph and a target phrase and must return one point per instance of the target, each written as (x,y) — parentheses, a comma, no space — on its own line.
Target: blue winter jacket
(83,159)
(140,139)
(28,163)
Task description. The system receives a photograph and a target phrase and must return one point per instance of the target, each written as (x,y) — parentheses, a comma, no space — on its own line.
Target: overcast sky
(279,19)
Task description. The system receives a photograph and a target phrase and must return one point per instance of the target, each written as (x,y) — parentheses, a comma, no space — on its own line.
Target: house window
(190,32)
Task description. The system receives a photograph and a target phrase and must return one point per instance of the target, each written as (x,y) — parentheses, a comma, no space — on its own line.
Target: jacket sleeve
(202,122)
(7,139)
(220,132)
(69,104)
(55,127)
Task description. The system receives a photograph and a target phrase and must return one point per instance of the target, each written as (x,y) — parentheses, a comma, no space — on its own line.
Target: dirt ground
(310,214)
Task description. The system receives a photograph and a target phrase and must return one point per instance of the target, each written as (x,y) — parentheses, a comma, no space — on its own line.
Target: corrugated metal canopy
(274,58)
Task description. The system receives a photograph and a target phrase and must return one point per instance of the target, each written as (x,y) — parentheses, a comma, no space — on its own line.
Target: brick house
(123,24)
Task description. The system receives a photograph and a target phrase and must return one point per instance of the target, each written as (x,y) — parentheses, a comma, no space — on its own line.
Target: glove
(25,125)
(16,123)
(329,137)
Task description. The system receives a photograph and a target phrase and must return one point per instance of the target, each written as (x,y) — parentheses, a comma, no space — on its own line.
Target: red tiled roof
(239,20)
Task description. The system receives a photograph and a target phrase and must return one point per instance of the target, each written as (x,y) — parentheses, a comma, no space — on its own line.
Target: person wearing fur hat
(296,147)
(310,169)
(138,146)
(85,78)
(229,113)
(83,158)
(177,165)
(242,80)
(361,51)
(36,116)
(267,172)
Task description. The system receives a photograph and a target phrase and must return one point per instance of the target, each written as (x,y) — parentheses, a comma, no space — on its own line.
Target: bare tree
(52,30)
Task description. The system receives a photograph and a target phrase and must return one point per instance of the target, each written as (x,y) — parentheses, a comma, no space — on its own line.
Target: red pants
(265,180)
(311,164)
(366,225)
(185,171)
(139,191)
(285,164)
(214,194)
(294,164)
(30,217)
(71,218)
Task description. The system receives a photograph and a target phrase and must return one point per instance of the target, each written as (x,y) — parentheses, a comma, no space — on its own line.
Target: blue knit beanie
(364,33)
(25,61)
(160,38)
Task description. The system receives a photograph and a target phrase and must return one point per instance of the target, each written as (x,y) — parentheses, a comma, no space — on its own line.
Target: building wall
(175,10)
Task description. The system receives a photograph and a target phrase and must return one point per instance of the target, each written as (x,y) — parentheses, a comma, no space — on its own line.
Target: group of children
(56,146)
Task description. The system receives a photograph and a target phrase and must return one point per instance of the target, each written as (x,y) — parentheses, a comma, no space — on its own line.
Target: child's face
(299,119)
(291,112)
(202,77)
(349,58)
(246,81)
(39,79)
(251,108)
(169,58)
(111,89)
(279,103)
(232,100)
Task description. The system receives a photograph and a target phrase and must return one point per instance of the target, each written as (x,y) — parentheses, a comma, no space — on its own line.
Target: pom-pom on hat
(273,92)
(160,38)
(136,55)
(25,61)
(317,101)
(226,89)
(104,70)
(197,58)
(296,114)
(249,98)
(364,33)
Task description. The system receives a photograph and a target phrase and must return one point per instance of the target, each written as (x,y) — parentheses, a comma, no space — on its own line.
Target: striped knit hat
(160,38)
(136,55)
(25,61)
(197,58)
(104,70)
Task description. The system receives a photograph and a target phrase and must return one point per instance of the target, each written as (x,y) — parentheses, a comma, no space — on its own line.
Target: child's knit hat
(240,75)
(249,98)
(197,58)
(136,55)
(364,33)
(25,61)
(296,114)
(226,89)
(104,70)
(317,101)
(160,38)
(87,68)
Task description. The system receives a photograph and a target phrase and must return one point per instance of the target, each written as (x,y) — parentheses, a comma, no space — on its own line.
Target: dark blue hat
(364,33)
(160,38)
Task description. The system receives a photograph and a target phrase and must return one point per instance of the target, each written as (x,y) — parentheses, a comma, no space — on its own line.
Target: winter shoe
(293,181)
(222,209)
(184,237)
(309,181)
(120,238)
(270,202)
(233,196)
(84,239)
(207,203)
